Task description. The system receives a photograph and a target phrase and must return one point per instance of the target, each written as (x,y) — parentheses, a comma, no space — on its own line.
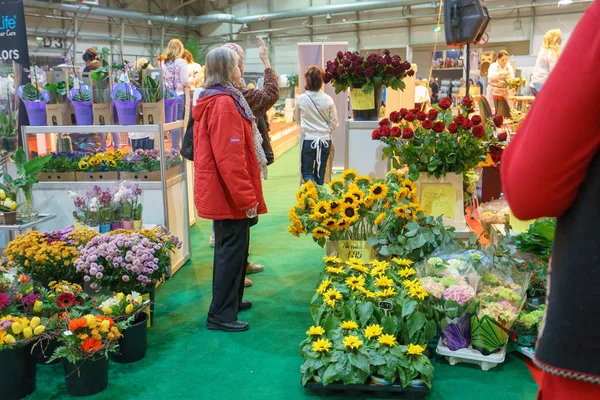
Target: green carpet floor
(185,360)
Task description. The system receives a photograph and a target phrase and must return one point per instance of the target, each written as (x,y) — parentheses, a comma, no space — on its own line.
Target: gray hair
(220,64)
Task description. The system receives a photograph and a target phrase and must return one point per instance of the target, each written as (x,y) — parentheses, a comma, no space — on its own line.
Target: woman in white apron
(498,75)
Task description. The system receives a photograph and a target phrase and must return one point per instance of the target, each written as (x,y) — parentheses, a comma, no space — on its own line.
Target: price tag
(348,249)
(76,83)
(68,333)
(438,200)
(386,305)
(362,100)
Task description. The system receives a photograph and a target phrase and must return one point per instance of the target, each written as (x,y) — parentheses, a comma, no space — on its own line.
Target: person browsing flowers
(176,77)
(546,59)
(316,113)
(227,185)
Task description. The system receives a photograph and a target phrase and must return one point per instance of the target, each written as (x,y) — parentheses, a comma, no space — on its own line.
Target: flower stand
(472,356)
(132,345)
(18,371)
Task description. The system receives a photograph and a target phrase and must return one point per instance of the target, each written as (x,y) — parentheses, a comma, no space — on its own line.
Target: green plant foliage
(8,125)
(198,50)
(151,90)
(538,239)
(82,95)
(293,81)
(123,95)
(31,93)
(58,91)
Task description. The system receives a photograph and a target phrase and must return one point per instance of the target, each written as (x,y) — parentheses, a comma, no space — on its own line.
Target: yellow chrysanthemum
(404,212)
(373,331)
(352,342)
(415,349)
(321,210)
(384,282)
(335,270)
(357,265)
(330,224)
(407,272)
(333,207)
(389,292)
(387,340)
(336,184)
(363,180)
(403,262)
(349,175)
(332,260)
(321,346)
(315,331)
(349,325)
(319,232)
(354,282)
(324,286)
(349,213)
(378,191)
(331,296)
(380,218)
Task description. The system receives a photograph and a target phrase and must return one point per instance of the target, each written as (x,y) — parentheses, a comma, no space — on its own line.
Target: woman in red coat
(227,182)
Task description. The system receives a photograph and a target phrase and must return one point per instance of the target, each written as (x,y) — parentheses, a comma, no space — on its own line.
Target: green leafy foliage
(31,93)
(538,239)
(8,124)
(62,162)
(58,91)
(123,95)
(151,90)
(293,81)
(199,51)
(83,95)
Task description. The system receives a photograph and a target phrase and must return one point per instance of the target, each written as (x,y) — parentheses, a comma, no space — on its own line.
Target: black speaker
(465,21)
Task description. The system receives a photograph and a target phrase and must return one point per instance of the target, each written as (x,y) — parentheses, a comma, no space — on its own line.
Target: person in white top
(546,59)
(195,73)
(498,75)
(176,78)
(316,113)
(422,96)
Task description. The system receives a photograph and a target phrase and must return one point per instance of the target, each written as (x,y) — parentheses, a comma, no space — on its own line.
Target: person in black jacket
(263,128)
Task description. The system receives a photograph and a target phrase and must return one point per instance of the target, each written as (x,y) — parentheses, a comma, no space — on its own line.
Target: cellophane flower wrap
(451,281)
(492,213)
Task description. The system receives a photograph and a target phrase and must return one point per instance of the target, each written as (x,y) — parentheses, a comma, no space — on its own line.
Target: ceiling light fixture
(564,2)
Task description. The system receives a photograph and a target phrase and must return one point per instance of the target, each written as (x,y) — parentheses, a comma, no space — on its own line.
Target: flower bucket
(84,112)
(78,226)
(115,225)
(43,350)
(18,370)
(365,107)
(171,109)
(36,110)
(457,335)
(132,345)
(86,377)
(95,228)
(137,224)
(105,228)
(10,218)
(127,109)
(127,224)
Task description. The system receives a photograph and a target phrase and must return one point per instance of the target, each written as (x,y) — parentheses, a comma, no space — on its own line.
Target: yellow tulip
(91,321)
(17,328)
(105,326)
(35,322)
(13,205)
(9,339)
(2,194)
(39,330)
(129,309)
(107,310)
(27,332)
(37,306)
(119,296)
(139,300)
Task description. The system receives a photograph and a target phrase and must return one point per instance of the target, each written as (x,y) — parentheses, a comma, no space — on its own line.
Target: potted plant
(8,207)
(61,167)
(82,100)
(365,76)
(293,84)
(34,97)
(131,210)
(316,352)
(126,99)
(133,340)
(84,348)
(153,106)
(105,211)
(8,130)
(527,326)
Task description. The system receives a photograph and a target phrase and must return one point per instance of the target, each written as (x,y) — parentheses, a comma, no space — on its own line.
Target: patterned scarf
(244,109)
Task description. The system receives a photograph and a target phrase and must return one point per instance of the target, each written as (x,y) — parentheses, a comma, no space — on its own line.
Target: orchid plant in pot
(87,209)
(105,212)
(34,96)
(130,194)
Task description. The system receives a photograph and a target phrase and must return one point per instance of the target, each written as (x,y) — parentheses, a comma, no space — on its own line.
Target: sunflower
(354,282)
(384,282)
(331,296)
(408,283)
(415,349)
(349,325)
(410,185)
(368,202)
(355,191)
(332,260)
(373,331)
(377,271)
(333,207)
(383,264)
(417,292)
(321,346)
(349,199)
(389,292)
(349,175)
(363,181)
(402,194)
(368,294)
(319,233)
(334,270)
(342,224)
(378,191)
(407,272)
(387,340)
(310,185)
(315,331)
(403,262)
(299,194)
(352,342)
(330,224)
(336,185)
(295,231)
(380,218)
(313,194)
(349,213)
(386,205)
(324,286)
(357,265)
(404,212)
(320,211)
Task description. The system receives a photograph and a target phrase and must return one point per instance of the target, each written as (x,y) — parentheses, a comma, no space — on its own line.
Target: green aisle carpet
(186,361)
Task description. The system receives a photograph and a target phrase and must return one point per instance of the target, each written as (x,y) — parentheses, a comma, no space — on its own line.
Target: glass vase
(28,213)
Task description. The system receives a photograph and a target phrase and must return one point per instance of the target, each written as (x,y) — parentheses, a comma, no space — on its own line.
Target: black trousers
(232,238)
(308,162)
(144,144)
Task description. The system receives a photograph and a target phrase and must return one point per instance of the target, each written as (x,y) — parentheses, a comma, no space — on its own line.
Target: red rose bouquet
(351,70)
(439,143)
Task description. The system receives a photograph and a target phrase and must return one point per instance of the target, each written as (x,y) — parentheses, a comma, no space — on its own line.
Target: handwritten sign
(362,100)
(438,200)
(348,249)
(518,225)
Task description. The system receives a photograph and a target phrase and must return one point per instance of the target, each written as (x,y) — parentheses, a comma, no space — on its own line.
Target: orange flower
(76,324)
(100,318)
(90,344)
(23,278)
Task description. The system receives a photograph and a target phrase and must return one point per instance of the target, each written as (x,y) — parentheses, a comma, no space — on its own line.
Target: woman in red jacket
(227,183)
(552,169)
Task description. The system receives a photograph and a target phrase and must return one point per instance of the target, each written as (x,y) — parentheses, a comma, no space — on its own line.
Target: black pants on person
(144,144)
(232,238)
(309,168)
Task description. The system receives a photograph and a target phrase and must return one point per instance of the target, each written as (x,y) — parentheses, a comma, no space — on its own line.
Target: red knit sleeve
(261,100)
(546,162)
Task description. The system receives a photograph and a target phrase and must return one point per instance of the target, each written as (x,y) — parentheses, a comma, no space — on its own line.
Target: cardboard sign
(518,225)
(103,114)
(154,113)
(362,100)
(348,249)
(57,114)
(438,200)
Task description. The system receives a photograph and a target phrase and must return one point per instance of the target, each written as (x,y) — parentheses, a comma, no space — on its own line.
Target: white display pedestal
(362,152)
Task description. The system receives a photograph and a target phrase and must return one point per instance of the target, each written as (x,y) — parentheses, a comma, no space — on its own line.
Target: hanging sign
(362,100)
(357,249)
(438,200)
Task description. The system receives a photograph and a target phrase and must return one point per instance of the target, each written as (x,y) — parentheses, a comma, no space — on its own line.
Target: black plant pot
(17,369)
(43,350)
(132,345)
(86,377)
(370,114)
(150,310)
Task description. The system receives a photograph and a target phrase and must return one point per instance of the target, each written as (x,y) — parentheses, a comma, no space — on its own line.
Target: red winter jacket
(226,174)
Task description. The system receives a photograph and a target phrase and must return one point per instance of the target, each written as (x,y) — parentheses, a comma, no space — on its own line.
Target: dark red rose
(478,131)
(340,55)
(386,52)
(395,117)
(460,120)
(382,61)
(403,112)
(340,70)
(421,116)
(415,111)
(410,117)
(502,136)
(372,58)
(335,75)
(407,133)
(347,63)
(453,127)
(427,124)
(352,56)
(376,135)
(395,132)
(476,120)
(467,102)
(398,71)
(389,70)
(406,66)
(432,114)
(498,121)
(369,72)
(384,122)
(327,77)
(411,72)
(330,67)
(467,124)
(496,153)
(445,104)
(385,131)
(439,127)
(358,70)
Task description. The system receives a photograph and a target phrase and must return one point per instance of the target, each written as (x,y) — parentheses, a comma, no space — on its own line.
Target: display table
(19,228)
(364,154)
